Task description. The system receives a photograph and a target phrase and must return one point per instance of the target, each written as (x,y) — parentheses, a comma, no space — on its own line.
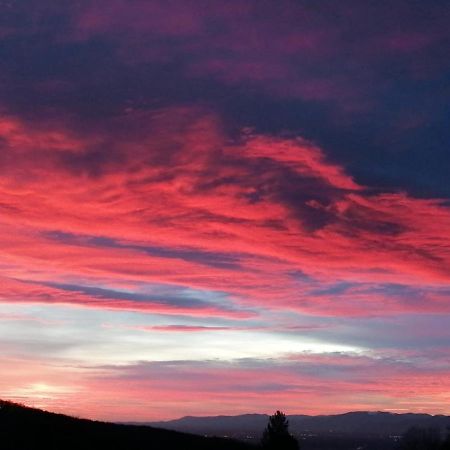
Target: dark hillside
(23,428)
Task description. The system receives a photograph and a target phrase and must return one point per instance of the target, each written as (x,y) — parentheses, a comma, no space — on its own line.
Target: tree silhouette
(276,436)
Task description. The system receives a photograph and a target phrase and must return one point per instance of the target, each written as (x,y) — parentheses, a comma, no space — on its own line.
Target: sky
(213,207)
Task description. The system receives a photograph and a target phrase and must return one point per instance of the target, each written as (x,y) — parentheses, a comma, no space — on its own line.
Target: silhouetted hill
(23,428)
(352,423)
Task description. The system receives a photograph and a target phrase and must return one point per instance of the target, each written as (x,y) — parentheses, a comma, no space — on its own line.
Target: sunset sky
(222,207)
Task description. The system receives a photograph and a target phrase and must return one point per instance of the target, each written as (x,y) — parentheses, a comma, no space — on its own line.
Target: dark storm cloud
(369,82)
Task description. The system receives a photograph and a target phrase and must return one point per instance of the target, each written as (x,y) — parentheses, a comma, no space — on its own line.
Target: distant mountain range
(354,423)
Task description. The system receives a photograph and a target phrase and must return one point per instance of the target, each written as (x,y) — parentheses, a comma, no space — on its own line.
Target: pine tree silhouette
(276,436)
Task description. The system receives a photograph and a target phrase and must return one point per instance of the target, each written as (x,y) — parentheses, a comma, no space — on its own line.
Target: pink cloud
(302,384)
(190,191)
(182,328)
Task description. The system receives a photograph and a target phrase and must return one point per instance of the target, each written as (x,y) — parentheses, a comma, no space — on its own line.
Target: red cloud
(173,201)
(182,328)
